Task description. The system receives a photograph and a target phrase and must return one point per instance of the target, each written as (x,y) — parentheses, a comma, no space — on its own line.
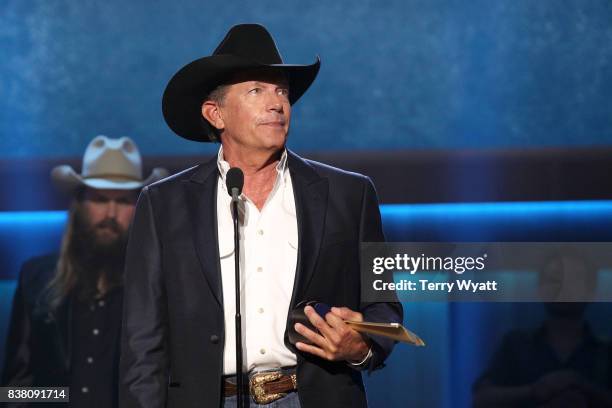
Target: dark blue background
(414,74)
(395,74)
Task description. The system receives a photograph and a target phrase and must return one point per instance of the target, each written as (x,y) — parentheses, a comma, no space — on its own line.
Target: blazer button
(214,339)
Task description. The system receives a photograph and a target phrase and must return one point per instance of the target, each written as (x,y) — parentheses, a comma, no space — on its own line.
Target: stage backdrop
(395,74)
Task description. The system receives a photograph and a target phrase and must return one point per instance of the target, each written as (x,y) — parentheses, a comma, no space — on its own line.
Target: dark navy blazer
(173,327)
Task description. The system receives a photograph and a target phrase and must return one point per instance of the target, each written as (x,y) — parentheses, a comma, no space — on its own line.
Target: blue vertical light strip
(7,289)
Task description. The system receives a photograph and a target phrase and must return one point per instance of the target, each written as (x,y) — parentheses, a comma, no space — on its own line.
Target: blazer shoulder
(348,184)
(173,180)
(325,170)
(170,184)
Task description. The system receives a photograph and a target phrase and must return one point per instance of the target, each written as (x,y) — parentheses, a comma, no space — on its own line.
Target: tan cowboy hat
(108,164)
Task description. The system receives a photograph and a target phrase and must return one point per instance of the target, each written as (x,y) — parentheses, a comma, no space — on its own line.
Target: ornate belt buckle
(256,386)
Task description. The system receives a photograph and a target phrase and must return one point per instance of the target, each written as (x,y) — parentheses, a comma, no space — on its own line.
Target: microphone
(234,180)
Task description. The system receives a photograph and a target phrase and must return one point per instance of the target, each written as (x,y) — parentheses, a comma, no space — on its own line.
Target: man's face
(255,111)
(108,212)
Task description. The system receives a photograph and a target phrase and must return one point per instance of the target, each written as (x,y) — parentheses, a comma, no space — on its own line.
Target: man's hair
(82,261)
(217,95)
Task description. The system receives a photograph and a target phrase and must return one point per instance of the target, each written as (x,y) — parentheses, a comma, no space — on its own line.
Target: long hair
(82,261)
(65,277)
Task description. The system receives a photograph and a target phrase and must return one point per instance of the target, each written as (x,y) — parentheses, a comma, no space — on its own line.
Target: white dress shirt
(268,258)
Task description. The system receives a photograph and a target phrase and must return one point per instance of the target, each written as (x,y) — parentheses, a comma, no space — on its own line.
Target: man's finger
(314,337)
(336,322)
(308,348)
(347,314)
(317,321)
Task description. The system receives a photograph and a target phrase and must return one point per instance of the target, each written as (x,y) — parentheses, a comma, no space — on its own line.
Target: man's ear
(212,113)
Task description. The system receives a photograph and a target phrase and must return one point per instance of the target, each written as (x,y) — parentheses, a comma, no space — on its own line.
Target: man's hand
(336,341)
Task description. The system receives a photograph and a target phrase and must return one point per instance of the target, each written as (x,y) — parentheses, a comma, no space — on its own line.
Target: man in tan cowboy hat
(66,314)
(301,225)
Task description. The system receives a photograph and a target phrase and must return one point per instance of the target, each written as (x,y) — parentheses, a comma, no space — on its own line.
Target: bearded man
(66,316)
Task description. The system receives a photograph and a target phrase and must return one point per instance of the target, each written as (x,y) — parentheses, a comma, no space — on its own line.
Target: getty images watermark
(503,272)
(412,265)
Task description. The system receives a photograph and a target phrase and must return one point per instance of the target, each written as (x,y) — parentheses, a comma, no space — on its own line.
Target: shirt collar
(224,166)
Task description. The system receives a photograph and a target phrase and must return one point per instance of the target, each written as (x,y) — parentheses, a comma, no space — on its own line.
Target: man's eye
(283,91)
(255,91)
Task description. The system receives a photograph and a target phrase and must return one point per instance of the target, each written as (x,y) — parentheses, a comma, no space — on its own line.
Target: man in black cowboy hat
(301,223)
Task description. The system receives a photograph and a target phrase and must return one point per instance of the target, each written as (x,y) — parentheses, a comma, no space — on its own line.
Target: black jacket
(173,324)
(39,343)
(37,346)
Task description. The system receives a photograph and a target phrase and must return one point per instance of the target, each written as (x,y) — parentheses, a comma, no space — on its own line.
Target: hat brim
(183,97)
(67,180)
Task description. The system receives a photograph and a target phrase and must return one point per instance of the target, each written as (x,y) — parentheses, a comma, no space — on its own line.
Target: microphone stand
(238,317)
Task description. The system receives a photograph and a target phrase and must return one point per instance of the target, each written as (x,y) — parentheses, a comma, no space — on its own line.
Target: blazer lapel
(201,191)
(311,194)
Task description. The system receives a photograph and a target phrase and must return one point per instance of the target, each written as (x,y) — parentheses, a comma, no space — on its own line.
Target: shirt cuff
(364,361)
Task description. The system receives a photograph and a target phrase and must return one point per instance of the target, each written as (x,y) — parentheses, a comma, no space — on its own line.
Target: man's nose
(277,107)
(111,209)
(275,102)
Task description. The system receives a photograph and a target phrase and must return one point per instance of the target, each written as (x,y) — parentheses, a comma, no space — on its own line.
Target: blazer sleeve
(144,355)
(18,357)
(390,312)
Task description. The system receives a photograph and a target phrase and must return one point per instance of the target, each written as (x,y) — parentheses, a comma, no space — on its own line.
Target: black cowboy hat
(246,46)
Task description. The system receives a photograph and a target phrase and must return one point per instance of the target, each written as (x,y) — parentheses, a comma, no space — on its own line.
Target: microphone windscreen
(234,179)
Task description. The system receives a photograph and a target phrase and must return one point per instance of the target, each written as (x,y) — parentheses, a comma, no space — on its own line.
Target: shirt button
(260,310)
(214,339)
(262,351)
(101,303)
(90,360)
(84,390)
(259,232)
(95,332)
(259,269)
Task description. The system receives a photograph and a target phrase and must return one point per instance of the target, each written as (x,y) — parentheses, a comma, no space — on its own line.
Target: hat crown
(106,157)
(250,41)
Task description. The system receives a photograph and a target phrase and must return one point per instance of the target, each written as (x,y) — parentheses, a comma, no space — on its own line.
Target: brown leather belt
(266,386)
